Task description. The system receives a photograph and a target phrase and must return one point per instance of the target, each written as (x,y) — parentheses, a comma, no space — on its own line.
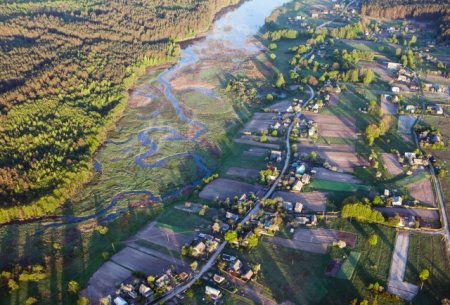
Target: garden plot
(251,141)
(324,174)
(222,188)
(332,126)
(396,284)
(320,248)
(260,122)
(104,281)
(312,201)
(256,152)
(324,236)
(422,213)
(138,260)
(280,106)
(243,172)
(405,124)
(422,191)
(387,107)
(164,236)
(343,157)
(392,165)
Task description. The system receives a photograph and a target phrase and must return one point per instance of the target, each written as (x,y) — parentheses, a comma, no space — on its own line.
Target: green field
(428,252)
(348,267)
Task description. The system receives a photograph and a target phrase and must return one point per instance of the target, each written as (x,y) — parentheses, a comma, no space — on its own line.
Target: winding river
(235,30)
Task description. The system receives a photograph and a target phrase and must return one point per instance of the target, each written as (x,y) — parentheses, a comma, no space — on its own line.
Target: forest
(65,68)
(420,9)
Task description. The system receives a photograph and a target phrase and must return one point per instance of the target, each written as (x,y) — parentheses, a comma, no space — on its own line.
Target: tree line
(421,9)
(65,68)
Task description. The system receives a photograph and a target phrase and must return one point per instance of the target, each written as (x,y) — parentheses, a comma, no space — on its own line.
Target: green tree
(252,241)
(73,287)
(83,301)
(368,77)
(280,82)
(313,156)
(372,133)
(373,240)
(194,265)
(423,276)
(231,236)
(31,301)
(12,285)
(269,97)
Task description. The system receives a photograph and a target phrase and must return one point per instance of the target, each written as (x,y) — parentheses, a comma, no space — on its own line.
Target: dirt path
(396,285)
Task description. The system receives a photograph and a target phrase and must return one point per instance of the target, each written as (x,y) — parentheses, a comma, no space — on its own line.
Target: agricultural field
(312,201)
(222,188)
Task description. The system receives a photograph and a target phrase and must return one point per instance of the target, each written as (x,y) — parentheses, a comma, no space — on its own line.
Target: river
(233,33)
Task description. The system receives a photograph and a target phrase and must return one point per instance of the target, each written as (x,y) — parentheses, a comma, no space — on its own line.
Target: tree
(73,287)
(194,265)
(31,301)
(12,285)
(373,240)
(83,301)
(355,76)
(269,97)
(150,280)
(280,82)
(423,276)
(372,132)
(231,236)
(252,241)
(368,77)
(313,156)
(377,200)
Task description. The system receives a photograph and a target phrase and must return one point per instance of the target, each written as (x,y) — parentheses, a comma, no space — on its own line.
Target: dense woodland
(421,9)
(65,67)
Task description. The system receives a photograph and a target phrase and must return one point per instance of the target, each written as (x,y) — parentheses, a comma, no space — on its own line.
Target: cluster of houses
(434,109)
(430,137)
(434,88)
(404,76)
(281,124)
(411,158)
(319,103)
(304,128)
(142,292)
(202,246)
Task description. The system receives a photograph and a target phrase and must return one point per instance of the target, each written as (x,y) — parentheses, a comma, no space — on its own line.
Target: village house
(298,207)
(397,201)
(218,279)
(297,187)
(231,216)
(145,291)
(275,156)
(394,65)
(213,293)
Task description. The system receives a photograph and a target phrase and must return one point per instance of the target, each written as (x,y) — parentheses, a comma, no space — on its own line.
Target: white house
(397,201)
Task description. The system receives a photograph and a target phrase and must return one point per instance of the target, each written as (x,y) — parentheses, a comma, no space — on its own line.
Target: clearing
(392,165)
(222,188)
(312,201)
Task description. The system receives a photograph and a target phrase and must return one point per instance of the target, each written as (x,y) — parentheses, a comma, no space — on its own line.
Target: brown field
(259,122)
(222,188)
(333,127)
(422,191)
(163,236)
(341,156)
(325,174)
(324,236)
(313,201)
(243,172)
(392,165)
